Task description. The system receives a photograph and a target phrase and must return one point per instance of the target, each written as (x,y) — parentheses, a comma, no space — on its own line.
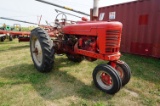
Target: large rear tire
(75,58)
(106,79)
(41,48)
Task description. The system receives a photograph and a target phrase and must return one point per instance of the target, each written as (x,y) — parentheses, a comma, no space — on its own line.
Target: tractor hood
(90,28)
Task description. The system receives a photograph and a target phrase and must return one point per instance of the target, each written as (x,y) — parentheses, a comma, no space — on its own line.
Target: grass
(69,83)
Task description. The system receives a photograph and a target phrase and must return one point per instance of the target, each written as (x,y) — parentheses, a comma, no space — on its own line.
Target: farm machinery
(16,32)
(90,40)
(10,32)
(5,27)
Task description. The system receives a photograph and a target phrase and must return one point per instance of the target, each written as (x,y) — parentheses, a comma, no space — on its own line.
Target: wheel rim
(36,51)
(120,71)
(104,80)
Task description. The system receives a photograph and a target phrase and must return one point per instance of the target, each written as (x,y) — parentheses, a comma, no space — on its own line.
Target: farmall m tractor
(90,40)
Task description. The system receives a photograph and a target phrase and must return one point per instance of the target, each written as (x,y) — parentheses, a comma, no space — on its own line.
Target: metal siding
(141,23)
(156,28)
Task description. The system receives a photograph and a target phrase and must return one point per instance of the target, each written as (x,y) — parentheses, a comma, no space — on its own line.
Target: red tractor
(90,40)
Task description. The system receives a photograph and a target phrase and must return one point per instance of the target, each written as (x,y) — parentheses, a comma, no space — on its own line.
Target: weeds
(71,84)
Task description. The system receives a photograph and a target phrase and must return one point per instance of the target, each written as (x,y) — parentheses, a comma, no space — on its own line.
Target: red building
(141,25)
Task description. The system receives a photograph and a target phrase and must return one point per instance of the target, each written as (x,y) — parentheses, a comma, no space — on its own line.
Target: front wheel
(106,79)
(123,70)
(41,48)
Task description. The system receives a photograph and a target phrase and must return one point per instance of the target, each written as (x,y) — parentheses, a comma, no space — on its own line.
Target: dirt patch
(132,93)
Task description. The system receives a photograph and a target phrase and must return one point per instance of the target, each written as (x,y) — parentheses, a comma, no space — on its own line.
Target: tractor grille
(112,41)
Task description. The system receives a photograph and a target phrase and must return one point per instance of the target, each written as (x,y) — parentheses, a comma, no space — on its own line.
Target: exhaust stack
(95,9)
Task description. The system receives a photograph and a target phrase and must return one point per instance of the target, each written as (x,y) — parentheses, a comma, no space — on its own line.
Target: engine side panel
(107,34)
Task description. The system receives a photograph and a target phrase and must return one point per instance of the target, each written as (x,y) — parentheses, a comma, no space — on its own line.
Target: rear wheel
(10,38)
(106,79)
(2,39)
(74,58)
(42,52)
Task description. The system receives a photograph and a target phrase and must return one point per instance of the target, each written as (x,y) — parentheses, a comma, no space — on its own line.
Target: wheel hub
(106,79)
(37,51)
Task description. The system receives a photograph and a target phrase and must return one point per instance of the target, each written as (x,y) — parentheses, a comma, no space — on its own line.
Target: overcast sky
(30,10)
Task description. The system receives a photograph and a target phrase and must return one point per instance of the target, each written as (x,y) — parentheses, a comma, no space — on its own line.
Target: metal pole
(40,20)
(64,7)
(18,20)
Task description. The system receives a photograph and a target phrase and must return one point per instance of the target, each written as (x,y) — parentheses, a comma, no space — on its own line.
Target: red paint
(14,33)
(84,19)
(113,64)
(21,34)
(141,23)
(143,19)
(106,79)
(101,40)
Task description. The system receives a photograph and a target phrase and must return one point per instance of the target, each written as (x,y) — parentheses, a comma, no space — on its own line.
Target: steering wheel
(63,17)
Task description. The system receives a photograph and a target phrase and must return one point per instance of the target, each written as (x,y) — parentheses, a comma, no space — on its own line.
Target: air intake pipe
(95,9)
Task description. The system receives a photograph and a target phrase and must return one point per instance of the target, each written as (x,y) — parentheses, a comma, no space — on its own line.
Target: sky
(31,10)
